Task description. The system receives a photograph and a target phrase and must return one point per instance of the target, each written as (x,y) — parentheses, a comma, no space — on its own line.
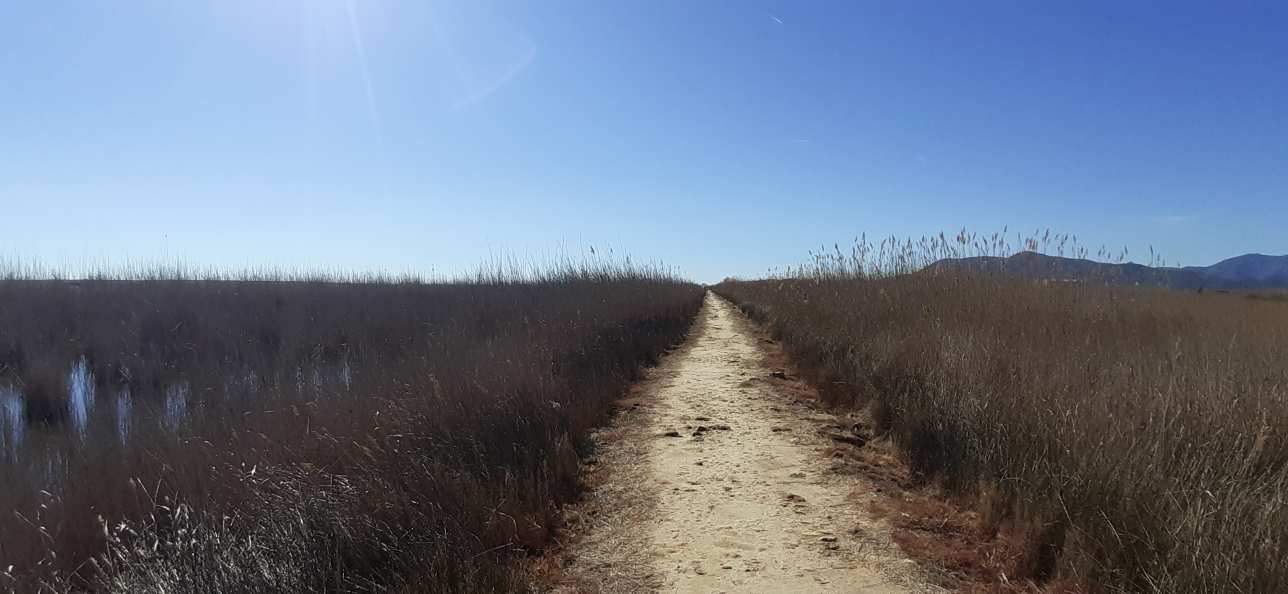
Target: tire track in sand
(714,479)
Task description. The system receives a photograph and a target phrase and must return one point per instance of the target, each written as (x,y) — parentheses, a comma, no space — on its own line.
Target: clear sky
(720,137)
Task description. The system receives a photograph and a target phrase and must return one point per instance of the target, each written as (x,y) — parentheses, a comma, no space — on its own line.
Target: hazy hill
(1249,271)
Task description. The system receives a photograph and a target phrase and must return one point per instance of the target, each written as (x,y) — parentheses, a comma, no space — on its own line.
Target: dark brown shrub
(45,400)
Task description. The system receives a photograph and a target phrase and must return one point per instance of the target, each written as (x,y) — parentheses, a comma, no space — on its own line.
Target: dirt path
(715,480)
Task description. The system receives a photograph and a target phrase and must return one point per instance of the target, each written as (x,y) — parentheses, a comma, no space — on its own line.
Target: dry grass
(1129,440)
(308,435)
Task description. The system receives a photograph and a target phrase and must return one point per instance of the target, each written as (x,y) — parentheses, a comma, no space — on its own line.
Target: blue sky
(724,138)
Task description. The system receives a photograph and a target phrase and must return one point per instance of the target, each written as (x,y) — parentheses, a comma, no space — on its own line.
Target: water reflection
(176,404)
(124,408)
(80,394)
(12,418)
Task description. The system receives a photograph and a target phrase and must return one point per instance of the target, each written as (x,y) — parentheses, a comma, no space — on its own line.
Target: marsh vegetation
(277,434)
(1121,439)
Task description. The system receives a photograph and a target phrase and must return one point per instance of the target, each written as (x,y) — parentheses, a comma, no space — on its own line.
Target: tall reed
(1138,436)
(181,433)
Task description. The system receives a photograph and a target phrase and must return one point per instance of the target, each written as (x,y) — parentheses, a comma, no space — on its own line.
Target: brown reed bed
(307,434)
(1125,439)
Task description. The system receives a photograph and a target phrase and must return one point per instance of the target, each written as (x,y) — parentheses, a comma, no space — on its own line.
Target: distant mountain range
(1249,271)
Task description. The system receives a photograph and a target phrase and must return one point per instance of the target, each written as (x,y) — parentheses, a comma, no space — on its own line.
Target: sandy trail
(715,480)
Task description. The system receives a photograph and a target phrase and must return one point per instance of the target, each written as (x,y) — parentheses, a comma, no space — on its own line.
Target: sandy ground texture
(715,478)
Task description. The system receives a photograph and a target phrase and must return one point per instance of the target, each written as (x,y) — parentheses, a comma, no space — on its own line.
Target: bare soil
(717,477)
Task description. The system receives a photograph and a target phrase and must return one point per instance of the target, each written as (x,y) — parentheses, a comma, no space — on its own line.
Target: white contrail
(775,18)
(504,79)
